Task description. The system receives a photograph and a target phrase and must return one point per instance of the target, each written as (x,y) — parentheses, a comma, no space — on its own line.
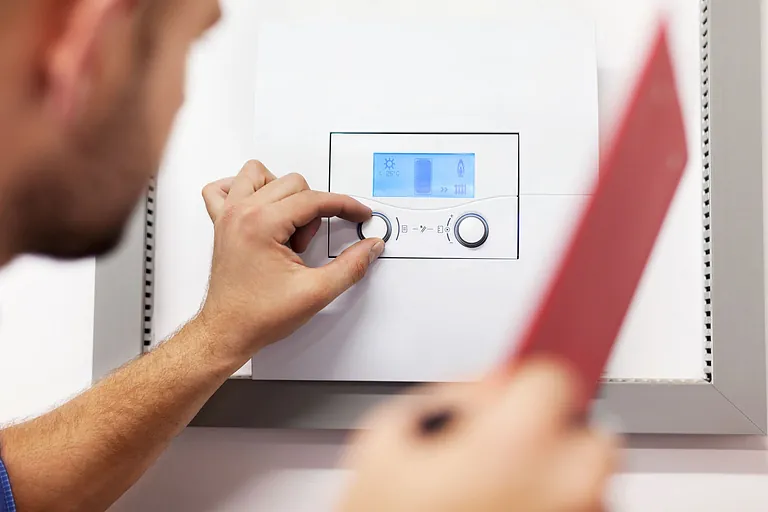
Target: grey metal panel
(673,408)
(294,405)
(639,408)
(734,402)
(738,304)
(118,316)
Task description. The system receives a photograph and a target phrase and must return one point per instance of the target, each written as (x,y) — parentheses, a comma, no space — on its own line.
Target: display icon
(460,189)
(460,169)
(422,176)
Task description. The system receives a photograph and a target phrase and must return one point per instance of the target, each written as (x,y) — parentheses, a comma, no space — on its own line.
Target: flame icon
(460,169)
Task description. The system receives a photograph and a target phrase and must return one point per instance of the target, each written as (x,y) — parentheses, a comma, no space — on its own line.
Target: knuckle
(311,196)
(229,214)
(252,165)
(297,180)
(244,221)
(252,214)
(256,171)
(357,271)
(239,212)
(208,190)
(319,199)
(207,197)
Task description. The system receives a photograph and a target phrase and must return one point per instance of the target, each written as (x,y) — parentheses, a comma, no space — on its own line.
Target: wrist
(218,340)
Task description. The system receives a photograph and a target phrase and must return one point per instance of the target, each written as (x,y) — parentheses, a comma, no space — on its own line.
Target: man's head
(88,93)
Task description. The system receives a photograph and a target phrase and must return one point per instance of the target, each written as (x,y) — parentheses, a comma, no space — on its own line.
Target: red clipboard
(585,305)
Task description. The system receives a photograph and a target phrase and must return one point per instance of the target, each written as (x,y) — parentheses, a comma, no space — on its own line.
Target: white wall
(46,312)
(46,330)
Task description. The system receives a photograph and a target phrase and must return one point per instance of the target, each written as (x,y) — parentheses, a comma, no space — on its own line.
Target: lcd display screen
(440,175)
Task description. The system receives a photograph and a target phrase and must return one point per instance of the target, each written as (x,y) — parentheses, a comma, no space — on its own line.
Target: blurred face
(87,119)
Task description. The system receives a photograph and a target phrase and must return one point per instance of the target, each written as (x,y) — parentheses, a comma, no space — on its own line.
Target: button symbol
(404,228)
(440,230)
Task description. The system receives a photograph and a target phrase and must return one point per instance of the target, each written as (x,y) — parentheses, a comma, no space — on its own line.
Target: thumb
(349,267)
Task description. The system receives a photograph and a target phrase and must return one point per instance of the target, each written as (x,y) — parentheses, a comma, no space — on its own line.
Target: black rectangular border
(393,258)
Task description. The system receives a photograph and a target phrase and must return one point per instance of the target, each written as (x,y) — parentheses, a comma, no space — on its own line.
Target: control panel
(441,196)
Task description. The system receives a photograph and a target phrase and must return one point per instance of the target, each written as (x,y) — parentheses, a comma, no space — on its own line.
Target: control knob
(378,226)
(471,230)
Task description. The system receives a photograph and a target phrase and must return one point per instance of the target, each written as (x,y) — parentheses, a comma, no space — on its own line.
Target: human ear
(71,66)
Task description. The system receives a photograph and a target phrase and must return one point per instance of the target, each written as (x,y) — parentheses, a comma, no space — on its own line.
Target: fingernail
(376,251)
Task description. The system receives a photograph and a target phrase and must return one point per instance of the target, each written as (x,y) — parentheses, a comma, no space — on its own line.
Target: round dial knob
(471,230)
(378,226)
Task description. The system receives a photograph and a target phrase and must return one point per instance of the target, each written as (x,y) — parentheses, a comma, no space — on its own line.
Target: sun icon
(389,164)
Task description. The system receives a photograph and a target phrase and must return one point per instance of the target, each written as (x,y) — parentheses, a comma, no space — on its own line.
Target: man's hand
(499,445)
(260,290)
(91,449)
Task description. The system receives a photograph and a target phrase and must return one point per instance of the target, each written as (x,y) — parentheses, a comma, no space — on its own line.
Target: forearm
(87,453)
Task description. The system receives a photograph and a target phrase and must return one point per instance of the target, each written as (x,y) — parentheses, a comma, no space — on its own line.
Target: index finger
(306,206)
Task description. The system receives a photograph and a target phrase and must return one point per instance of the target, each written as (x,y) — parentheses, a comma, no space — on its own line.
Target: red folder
(587,301)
